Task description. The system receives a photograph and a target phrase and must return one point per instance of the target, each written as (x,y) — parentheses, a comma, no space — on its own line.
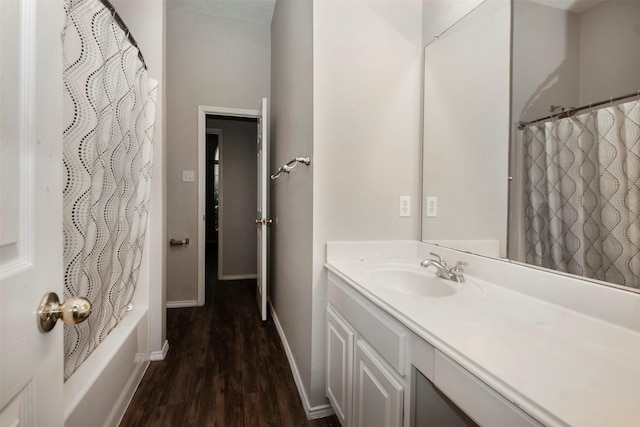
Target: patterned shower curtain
(109,113)
(583,194)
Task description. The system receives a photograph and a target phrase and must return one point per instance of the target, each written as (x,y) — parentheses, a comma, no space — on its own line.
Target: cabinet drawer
(483,404)
(381,331)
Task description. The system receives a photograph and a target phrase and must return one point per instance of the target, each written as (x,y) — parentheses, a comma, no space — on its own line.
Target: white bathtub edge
(80,384)
(120,407)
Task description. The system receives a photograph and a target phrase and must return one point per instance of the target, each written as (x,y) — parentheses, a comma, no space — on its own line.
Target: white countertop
(560,366)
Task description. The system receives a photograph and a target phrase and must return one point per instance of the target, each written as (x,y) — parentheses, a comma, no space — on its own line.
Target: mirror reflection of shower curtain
(583,194)
(109,113)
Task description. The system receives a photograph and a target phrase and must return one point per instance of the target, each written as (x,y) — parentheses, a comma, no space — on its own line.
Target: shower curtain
(109,113)
(583,194)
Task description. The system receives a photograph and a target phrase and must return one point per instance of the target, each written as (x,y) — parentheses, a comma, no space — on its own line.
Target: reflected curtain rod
(567,112)
(124,28)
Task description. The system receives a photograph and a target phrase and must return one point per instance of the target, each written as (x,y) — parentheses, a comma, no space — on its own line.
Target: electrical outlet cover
(431,210)
(405,205)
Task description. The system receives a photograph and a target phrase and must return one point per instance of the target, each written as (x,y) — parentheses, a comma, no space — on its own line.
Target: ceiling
(258,11)
(577,6)
(261,11)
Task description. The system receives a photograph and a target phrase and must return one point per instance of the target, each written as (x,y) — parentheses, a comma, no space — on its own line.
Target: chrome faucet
(444,270)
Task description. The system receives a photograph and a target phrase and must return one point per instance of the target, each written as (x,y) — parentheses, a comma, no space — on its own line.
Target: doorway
(227,196)
(212,185)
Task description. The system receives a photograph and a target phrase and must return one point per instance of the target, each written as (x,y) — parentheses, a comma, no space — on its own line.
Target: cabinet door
(378,397)
(339,363)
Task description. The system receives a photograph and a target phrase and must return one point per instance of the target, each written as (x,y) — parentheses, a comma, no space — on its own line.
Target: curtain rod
(566,112)
(124,28)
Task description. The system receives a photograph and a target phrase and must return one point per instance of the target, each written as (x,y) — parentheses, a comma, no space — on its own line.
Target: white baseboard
(312,412)
(182,304)
(320,411)
(156,356)
(238,276)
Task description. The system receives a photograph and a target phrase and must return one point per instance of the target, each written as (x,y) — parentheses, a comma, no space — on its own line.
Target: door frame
(219,132)
(203,111)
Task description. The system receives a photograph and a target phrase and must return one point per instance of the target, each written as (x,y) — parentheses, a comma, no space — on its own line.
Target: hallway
(224,368)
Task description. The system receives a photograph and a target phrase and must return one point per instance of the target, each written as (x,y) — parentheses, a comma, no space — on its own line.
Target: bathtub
(99,391)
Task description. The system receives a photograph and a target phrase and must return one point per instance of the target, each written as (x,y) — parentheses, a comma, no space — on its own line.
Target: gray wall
(238,197)
(346,90)
(545,59)
(214,62)
(291,195)
(609,51)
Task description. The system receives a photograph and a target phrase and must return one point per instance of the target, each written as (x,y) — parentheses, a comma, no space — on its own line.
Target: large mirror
(466,129)
(562,192)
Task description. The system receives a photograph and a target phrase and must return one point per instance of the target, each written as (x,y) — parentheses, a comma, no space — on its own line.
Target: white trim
(183,304)
(202,157)
(262,206)
(238,276)
(220,272)
(23,248)
(321,411)
(220,134)
(203,110)
(156,356)
(312,412)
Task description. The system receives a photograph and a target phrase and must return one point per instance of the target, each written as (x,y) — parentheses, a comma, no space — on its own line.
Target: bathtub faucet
(444,270)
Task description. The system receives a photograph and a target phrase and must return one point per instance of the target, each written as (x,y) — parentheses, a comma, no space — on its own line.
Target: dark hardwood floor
(224,368)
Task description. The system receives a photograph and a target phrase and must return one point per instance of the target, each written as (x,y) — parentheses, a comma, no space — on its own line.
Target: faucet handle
(458,272)
(440,258)
(457,269)
(459,265)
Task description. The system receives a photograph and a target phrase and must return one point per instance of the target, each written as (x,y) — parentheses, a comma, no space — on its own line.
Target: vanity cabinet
(367,358)
(370,360)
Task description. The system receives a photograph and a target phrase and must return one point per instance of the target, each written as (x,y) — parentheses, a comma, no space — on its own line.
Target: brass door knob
(73,311)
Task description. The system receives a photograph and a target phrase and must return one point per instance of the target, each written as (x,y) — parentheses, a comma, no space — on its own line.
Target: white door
(31,362)
(262,212)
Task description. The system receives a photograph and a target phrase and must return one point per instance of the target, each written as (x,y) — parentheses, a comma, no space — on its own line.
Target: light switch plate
(188,176)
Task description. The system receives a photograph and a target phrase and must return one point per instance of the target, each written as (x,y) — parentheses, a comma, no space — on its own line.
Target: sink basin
(410,281)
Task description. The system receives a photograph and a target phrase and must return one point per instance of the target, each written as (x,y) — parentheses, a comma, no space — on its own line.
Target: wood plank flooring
(224,368)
